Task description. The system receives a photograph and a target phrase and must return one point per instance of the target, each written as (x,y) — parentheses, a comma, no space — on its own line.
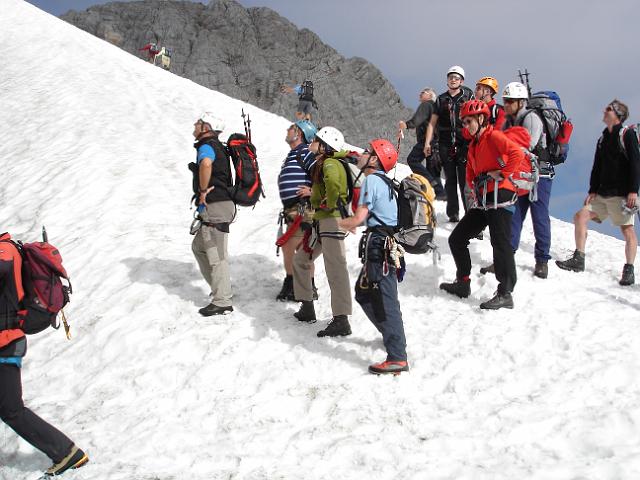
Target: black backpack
(354,182)
(307,91)
(247,186)
(494,113)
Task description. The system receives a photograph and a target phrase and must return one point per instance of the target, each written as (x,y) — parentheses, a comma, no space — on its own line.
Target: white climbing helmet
(516,91)
(457,69)
(216,124)
(332,137)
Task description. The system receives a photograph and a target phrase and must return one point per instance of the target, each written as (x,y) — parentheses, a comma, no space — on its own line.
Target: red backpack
(44,293)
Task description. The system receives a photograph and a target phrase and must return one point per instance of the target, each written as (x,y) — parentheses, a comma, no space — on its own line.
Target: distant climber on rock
(165,58)
(306,101)
(152,50)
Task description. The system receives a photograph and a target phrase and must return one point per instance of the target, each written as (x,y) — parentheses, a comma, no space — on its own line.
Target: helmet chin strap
(480,125)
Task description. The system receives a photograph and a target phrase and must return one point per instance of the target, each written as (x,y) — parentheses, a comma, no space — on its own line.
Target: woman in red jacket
(491,163)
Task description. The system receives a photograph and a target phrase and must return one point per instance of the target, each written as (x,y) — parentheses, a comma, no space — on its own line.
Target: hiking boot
(306,313)
(488,269)
(338,327)
(454,219)
(541,270)
(628,277)
(480,236)
(76,459)
(212,309)
(575,263)
(441,196)
(286,292)
(461,288)
(389,367)
(499,300)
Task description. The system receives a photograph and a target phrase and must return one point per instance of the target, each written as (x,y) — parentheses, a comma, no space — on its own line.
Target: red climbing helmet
(474,107)
(386,153)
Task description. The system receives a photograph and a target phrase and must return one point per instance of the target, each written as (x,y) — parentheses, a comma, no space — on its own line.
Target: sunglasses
(452,78)
(510,100)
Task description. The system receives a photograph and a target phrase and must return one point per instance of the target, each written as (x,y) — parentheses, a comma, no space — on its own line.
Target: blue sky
(576,47)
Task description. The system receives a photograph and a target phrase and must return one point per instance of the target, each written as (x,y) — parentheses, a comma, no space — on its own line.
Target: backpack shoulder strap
(545,125)
(494,113)
(621,135)
(389,182)
(623,131)
(392,194)
(350,180)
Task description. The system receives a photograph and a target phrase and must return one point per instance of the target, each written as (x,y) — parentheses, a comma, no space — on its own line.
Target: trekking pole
(524,78)
(244,123)
(45,237)
(249,127)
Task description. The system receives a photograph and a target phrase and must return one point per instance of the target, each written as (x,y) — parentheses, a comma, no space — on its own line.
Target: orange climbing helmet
(490,82)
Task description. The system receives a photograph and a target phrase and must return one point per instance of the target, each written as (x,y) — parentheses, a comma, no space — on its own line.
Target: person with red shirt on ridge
(13,347)
(486,89)
(152,50)
(491,162)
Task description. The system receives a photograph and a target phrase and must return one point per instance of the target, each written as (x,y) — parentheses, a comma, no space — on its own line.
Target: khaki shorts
(604,207)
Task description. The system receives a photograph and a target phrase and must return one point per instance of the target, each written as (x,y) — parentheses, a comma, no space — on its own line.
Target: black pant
(416,159)
(455,168)
(24,422)
(474,222)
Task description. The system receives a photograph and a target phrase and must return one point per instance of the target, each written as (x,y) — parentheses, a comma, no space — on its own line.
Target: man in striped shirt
(294,184)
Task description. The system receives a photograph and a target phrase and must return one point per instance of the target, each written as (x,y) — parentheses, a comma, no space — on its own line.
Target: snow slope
(95,145)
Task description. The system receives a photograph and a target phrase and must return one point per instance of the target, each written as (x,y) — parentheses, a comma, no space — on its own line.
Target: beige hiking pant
(331,244)
(210,249)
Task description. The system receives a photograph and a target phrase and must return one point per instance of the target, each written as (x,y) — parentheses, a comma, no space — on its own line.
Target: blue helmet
(308,129)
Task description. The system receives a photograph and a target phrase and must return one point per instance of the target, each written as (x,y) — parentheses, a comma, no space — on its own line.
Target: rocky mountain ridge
(248,53)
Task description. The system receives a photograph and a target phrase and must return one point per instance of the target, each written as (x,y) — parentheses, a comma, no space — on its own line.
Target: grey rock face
(248,54)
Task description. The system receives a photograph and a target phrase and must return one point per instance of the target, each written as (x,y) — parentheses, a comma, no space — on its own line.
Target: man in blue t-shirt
(294,184)
(211,182)
(377,285)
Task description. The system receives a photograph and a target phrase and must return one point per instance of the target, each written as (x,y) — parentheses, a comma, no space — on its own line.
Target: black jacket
(421,119)
(220,173)
(616,170)
(448,111)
